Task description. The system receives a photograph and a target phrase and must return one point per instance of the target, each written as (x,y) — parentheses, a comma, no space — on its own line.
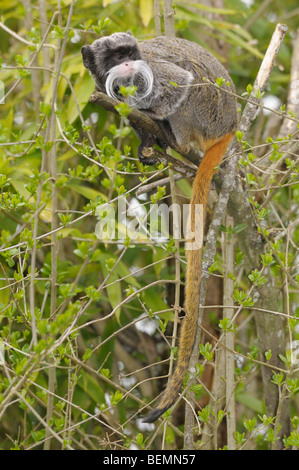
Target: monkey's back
(208,111)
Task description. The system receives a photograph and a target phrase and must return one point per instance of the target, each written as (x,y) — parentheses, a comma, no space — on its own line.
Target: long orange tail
(200,192)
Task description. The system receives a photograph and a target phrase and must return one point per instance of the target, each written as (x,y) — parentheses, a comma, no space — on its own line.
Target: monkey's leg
(147,142)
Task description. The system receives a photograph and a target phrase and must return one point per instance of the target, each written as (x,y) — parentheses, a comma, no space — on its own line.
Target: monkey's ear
(87,55)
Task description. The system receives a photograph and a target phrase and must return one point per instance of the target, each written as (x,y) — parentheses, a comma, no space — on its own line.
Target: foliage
(84,322)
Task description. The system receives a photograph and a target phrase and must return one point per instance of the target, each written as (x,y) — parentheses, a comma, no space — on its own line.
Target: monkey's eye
(119,57)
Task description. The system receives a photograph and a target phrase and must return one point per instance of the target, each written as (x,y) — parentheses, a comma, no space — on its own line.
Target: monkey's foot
(146,155)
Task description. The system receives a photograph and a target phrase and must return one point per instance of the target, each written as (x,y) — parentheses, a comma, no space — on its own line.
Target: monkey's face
(104,53)
(115,61)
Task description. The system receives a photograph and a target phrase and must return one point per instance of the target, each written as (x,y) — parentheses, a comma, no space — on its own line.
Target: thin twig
(228,313)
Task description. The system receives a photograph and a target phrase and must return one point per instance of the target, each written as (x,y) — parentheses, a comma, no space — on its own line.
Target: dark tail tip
(154,415)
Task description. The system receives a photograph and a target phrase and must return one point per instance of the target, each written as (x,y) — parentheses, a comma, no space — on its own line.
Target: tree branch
(233,192)
(135,117)
(141,119)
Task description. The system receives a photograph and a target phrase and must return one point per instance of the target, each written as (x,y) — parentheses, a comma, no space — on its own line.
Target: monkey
(175,82)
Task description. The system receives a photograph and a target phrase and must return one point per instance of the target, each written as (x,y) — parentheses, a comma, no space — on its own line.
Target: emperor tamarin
(175,81)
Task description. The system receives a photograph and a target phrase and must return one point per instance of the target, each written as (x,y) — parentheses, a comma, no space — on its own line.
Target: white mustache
(115,79)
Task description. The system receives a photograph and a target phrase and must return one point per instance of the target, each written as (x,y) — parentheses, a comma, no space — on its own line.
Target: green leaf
(86,191)
(251,402)
(155,302)
(146,11)
(250,424)
(239,228)
(83,88)
(204,414)
(87,354)
(292,440)
(91,387)
(209,9)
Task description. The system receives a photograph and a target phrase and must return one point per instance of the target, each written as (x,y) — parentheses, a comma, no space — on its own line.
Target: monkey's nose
(126,68)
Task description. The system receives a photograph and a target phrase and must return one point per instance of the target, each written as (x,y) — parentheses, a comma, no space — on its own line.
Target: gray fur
(194,109)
